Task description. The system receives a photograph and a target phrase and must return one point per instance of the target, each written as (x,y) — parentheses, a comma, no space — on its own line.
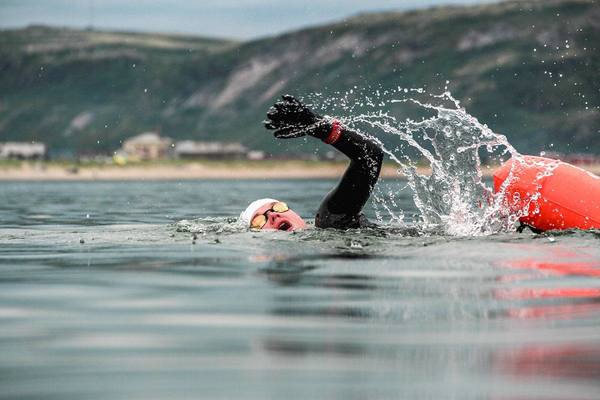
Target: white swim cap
(248,213)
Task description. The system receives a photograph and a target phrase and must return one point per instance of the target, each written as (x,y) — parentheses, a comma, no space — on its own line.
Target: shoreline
(210,170)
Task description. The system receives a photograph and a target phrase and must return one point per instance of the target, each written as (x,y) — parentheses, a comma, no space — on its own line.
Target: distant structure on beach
(152,146)
(189,149)
(22,151)
(256,155)
(147,146)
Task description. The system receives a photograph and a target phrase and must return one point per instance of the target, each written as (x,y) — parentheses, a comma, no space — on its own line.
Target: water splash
(208,225)
(439,152)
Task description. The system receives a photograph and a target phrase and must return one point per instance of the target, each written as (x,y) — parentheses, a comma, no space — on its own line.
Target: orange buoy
(550,194)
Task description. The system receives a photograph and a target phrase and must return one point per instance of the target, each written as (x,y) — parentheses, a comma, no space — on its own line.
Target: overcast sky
(242,19)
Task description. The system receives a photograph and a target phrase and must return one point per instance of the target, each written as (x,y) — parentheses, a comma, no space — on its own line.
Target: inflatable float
(549,194)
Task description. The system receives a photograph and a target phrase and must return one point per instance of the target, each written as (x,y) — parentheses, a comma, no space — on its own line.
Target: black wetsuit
(342,206)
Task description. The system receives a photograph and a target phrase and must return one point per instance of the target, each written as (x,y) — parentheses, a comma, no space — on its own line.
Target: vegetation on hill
(529,69)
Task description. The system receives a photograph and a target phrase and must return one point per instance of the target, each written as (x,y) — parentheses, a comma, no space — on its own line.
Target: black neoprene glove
(289,118)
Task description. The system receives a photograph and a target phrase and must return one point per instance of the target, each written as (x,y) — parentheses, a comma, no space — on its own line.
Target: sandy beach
(270,169)
(180,171)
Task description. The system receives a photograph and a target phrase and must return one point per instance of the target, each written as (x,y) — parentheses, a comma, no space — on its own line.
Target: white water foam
(451,194)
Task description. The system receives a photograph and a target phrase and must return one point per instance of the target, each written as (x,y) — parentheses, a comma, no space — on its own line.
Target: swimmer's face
(282,221)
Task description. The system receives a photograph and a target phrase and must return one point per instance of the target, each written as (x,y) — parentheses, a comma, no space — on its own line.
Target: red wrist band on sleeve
(335,134)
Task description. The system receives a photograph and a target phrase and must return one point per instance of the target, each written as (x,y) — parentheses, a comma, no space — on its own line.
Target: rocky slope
(529,69)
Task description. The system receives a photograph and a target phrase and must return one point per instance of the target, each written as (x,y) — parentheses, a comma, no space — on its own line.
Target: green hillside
(528,69)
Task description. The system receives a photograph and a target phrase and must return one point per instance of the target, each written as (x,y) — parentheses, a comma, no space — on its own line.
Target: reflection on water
(140,310)
(579,362)
(565,298)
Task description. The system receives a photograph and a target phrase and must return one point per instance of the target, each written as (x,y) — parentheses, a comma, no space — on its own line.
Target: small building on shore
(256,155)
(152,146)
(189,149)
(22,151)
(147,146)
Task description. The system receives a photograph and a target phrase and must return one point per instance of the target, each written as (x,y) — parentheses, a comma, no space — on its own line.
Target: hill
(529,69)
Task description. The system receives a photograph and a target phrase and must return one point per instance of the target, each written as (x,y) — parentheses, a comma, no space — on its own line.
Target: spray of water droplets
(439,148)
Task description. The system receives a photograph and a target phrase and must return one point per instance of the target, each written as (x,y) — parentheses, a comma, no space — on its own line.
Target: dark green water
(139,311)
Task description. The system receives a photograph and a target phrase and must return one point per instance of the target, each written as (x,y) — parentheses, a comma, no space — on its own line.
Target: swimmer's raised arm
(341,208)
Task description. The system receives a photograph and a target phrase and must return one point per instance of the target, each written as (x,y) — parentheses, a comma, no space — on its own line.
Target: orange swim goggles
(260,220)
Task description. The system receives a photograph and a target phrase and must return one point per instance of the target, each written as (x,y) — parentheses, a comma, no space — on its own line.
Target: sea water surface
(104,296)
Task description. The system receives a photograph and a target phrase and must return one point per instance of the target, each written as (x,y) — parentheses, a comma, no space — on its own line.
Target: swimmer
(567,198)
(341,208)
